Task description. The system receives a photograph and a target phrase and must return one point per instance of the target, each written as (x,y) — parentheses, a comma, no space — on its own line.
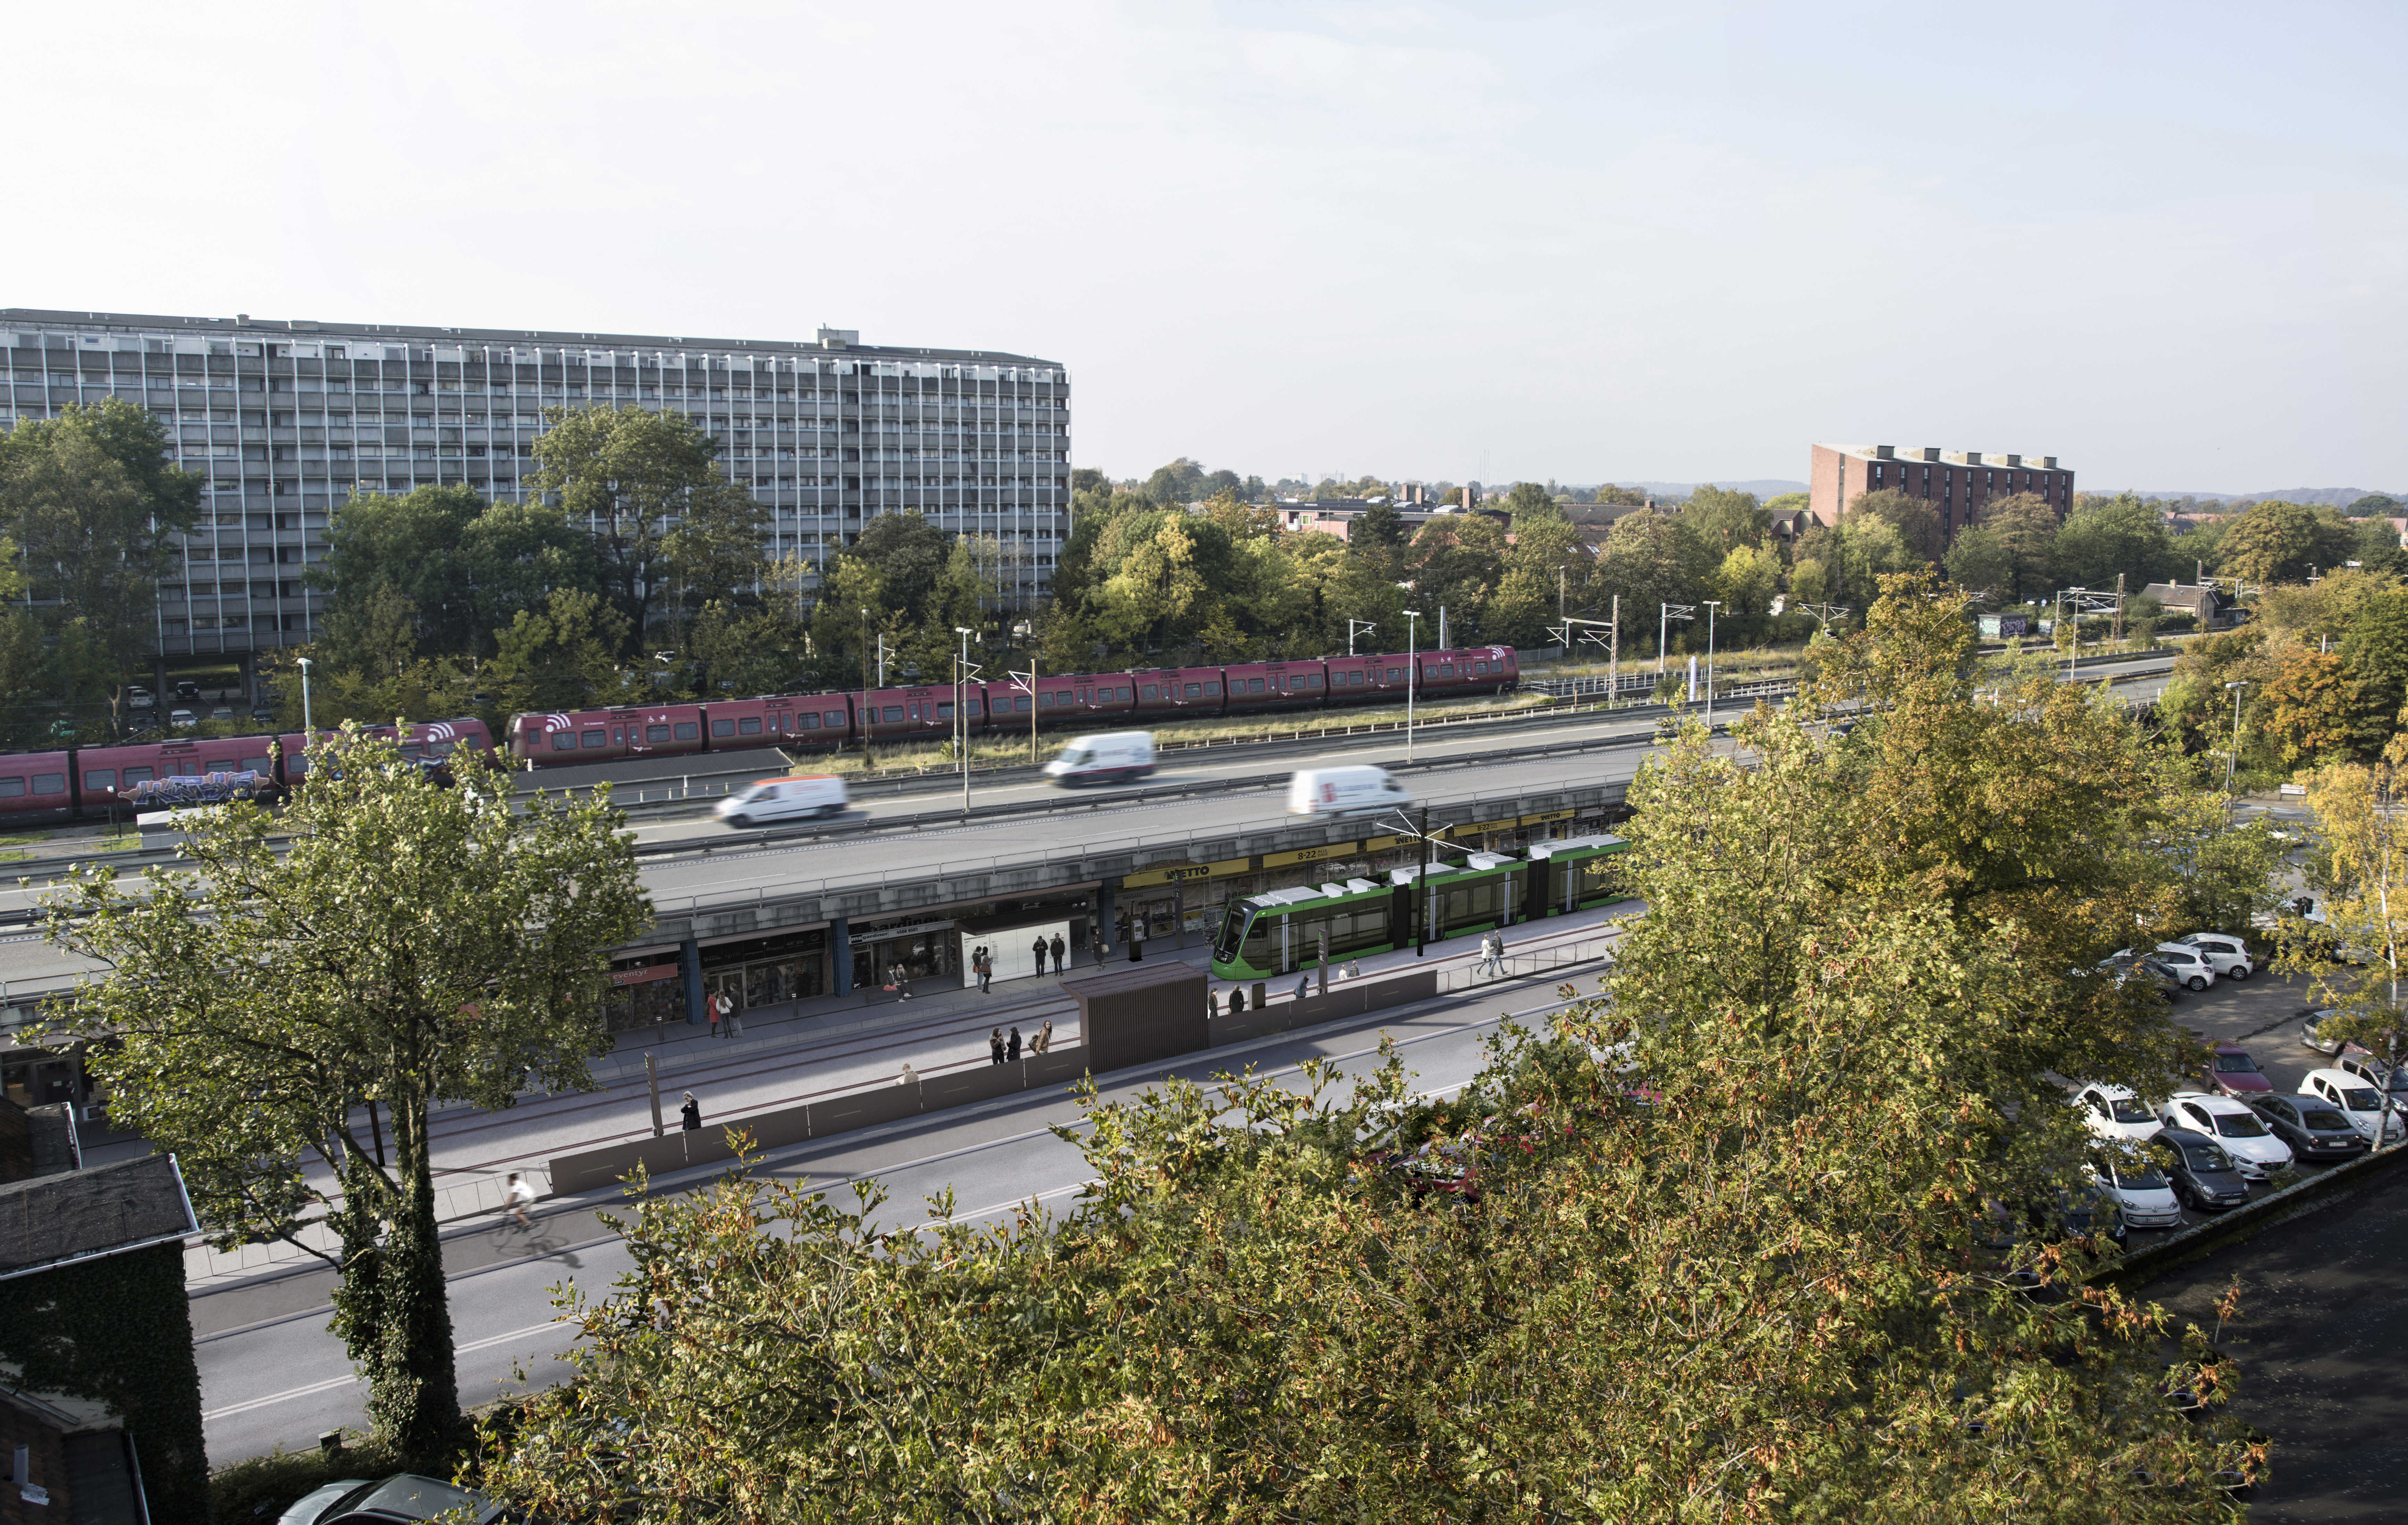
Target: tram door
(1400,916)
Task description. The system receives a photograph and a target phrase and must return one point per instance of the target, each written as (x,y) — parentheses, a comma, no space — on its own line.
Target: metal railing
(1594,952)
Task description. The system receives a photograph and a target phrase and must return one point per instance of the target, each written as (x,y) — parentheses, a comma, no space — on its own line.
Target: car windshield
(2142,1178)
(2237,1125)
(2207,1156)
(2235,1064)
(2320,1118)
(2128,1111)
(2360,1098)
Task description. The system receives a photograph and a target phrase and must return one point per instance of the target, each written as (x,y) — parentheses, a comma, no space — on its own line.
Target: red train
(893,714)
(94,780)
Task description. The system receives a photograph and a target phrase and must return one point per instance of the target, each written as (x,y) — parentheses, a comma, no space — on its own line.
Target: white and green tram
(1281,931)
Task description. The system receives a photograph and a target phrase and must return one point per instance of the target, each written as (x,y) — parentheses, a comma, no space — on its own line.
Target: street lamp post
(1410,615)
(962,714)
(1711,605)
(306,728)
(868,706)
(2229,756)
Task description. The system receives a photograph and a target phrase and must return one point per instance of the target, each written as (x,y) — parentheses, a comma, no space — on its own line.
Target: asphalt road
(271,1375)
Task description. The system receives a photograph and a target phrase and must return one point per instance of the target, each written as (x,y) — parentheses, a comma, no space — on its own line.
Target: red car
(2232,1072)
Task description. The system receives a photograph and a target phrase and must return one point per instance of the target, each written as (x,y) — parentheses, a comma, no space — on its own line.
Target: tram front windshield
(1233,931)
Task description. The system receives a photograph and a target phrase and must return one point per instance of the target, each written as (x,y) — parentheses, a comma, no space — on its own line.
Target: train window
(564,741)
(100,778)
(1446,671)
(1020,702)
(12,789)
(591,741)
(893,713)
(944,710)
(254,765)
(1195,691)
(1151,692)
(217,765)
(835,720)
(298,766)
(439,749)
(749,726)
(656,733)
(139,775)
(808,722)
(689,730)
(50,784)
(1213,690)
(723,727)
(1396,673)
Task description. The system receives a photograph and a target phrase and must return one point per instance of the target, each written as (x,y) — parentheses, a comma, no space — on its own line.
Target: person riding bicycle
(517,1196)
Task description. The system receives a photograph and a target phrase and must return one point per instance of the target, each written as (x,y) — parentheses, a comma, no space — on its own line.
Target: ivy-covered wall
(119,1330)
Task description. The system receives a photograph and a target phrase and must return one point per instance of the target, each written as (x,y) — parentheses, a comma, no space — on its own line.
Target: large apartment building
(284,420)
(1961,483)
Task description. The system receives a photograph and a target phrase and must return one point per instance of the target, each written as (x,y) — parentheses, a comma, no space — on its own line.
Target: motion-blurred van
(774,800)
(1343,791)
(1103,759)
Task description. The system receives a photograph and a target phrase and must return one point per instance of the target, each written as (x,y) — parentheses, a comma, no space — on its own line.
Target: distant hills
(1767,487)
(2339,498)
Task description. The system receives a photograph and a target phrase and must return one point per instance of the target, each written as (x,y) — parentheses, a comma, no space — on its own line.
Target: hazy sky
(1589,242)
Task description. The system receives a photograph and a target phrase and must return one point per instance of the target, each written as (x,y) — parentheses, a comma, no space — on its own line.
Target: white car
(2138,1186)
(2113,1111)
(2234,1125)
(2189,965)
(2228,955)
(182,720)
(2355,1100)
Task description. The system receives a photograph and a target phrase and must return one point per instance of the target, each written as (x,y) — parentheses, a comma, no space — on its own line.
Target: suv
(2228,954)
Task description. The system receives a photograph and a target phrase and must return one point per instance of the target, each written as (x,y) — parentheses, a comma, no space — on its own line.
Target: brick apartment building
(1961,483)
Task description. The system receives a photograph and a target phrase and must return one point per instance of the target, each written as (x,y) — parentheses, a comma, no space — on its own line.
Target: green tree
(2275,542)
(90,504)
(663,514)
(1915,520)
(2373,505)
(559,656)
(2104,537)
(2375,546)
(1979,562)
(2027,527)
(381,548)
(2375,653)
(1180,482)
(1649,559)
(1379,527)
(1726,520)
(411,945)
(2360,874)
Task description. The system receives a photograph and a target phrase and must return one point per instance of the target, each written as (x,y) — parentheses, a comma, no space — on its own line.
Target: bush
(264,1486)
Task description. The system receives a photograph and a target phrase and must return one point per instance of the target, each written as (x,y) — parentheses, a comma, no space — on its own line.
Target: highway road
(271,1375)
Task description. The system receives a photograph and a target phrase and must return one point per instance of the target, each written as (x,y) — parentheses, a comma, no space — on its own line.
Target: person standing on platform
(1095,942)
(1043,1042)
(690,1115)
(995,1047)
(1012,1047)
(1038,948)
(1238,1001)
(985,966)
(1060,948)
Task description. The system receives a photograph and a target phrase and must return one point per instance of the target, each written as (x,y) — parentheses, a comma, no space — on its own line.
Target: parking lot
(2262,1014)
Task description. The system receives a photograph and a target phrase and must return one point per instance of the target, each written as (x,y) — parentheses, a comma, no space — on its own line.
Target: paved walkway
(795,1052)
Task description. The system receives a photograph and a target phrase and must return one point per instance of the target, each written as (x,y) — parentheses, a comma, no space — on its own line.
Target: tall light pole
(2229,757)
(868,709)
(1410,615)
(307,728)
(1711,605)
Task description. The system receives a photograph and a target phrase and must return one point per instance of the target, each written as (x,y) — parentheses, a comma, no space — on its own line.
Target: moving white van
(1343,791)
(1103,759)
(773,800)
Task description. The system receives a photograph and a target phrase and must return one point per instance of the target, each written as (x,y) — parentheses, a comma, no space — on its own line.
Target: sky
(1598,242)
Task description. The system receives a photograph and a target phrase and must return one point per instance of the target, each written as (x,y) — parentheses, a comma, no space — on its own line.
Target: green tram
(1281,931)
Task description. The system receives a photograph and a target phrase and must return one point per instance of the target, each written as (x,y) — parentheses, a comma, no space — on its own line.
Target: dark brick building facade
(1961,483)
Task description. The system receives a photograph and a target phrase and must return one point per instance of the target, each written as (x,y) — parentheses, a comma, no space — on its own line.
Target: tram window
(12,789)
(689,730)
(748,726)
(1365,927)
(591,741)
(1262,943)
(723,727)
(50,784)
(656,733)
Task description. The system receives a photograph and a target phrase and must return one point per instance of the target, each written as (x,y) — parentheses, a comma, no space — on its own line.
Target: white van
(1343,791)
(776,800)
(1103,759)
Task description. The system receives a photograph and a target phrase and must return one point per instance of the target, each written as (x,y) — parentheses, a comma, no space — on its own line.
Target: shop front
(645,991)
(920,947)
(753,972)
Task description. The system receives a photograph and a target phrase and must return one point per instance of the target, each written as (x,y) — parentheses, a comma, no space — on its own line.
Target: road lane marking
(313,1389)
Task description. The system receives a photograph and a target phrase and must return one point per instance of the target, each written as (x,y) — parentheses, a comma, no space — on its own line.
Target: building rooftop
(54,1220)
(1953,457)
(828,341)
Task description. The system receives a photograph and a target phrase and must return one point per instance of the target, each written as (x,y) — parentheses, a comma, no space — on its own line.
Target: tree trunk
(417,1402)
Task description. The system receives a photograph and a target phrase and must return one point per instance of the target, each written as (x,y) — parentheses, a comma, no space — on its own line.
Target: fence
(1530,965)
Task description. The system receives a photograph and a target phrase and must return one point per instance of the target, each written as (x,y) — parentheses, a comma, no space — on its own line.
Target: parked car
(2189,965)
(263,714)
(2258,1154)
(389,1500)
(2138,1186)
(187,690)
(2312,1129)
(139,698)
(2202,1174)
(2232,1072)
(181,720)
(2113,1111)
(2311,1031)
(223,711)
(2392,1080)
(2354,1098)
(2129,965)
(2228,955)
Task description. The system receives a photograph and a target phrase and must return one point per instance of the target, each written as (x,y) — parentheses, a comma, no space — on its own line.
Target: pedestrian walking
(995,1047)
(1060,948)
(1499,936)
(516,1196)
(1038,948)
(1043,1042)
(908,1076)
(1303,985)
(1012,1047)
(690,1115)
